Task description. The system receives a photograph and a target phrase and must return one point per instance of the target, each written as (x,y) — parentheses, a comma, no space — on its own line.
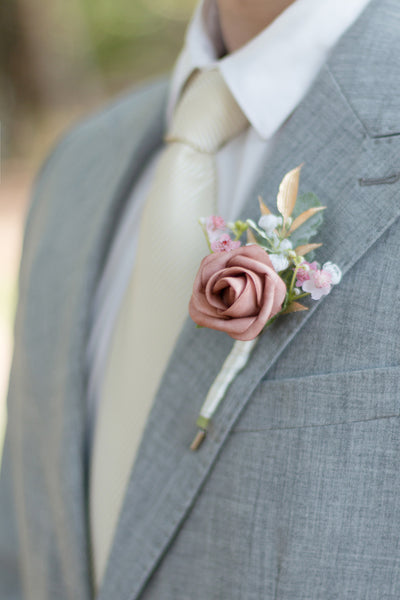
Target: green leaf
(257,229)
(310,228)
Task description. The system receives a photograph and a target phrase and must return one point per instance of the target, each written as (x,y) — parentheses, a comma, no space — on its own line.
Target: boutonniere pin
(243,286)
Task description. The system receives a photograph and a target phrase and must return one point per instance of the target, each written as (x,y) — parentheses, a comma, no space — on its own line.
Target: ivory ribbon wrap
(236,360)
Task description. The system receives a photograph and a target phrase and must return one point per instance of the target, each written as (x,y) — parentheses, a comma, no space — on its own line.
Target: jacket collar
(276,74)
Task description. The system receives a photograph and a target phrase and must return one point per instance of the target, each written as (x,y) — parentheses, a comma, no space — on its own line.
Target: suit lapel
(324,133)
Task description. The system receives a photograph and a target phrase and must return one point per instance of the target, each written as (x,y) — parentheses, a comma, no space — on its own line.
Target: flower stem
(204,229)
(302,296)
(293,281)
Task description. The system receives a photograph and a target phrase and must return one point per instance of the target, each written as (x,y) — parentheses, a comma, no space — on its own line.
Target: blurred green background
(58,61)
(57,55)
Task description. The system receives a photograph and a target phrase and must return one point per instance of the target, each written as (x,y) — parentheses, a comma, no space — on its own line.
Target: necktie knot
(207,116)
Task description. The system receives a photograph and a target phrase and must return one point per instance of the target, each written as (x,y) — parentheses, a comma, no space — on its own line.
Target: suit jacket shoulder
(104,132)
(77,199)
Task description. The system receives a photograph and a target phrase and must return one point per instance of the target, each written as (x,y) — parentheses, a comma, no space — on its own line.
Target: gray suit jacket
(296,493)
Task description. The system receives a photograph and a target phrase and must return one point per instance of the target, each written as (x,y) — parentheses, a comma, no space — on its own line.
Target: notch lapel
(325,133)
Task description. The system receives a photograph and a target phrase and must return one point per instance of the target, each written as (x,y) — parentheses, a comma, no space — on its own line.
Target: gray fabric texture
(295,494)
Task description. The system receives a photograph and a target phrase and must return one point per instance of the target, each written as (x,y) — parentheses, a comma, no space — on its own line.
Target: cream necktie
(170,248)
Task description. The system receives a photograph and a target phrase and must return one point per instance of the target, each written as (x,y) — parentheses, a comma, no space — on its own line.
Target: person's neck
(241,20)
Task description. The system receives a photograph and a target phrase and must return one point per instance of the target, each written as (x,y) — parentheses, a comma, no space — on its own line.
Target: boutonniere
(243,285)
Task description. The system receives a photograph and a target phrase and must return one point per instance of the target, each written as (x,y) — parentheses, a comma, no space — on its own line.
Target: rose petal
(230,289)
(215,299)
(211,264)
(279,288)
(246,304)
(241,271)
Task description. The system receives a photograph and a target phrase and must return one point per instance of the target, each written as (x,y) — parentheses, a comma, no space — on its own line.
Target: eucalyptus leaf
(310,228)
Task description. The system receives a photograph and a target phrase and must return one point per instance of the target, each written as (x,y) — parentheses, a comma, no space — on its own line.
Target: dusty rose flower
(237,292)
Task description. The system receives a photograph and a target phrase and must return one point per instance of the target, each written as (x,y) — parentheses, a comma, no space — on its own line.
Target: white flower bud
(334,271)
(269,222)
(279,262)
(285,245)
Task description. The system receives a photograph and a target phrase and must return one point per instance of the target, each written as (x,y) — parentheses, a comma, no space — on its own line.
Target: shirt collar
(271,74)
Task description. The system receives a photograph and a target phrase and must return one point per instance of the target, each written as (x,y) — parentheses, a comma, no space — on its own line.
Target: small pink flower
(313,266)
(224,244)
(319,283)
(215,222)
(302,276)
(303,273)
(215,226)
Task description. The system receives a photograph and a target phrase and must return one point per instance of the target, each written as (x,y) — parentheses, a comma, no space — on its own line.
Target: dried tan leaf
(304,216)
(263,209)
(250,237)
(294,307)
(287,194)
(303,250)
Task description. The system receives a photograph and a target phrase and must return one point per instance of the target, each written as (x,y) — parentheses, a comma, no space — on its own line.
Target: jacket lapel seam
(347,100)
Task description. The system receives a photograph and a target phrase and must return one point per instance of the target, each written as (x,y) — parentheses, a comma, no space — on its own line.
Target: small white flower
(273,240)
(279,262)
(285,245)
(269,223)
(334,271)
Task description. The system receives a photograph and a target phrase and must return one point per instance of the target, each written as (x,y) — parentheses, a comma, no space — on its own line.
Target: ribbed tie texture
(155,306)
(208,116)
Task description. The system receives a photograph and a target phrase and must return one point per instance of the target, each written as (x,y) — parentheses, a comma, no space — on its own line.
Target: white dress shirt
(269,76)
